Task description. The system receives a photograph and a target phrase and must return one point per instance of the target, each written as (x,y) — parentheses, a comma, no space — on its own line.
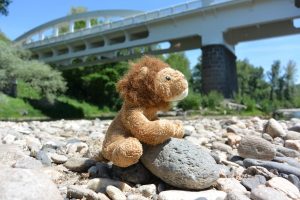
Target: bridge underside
(216,29)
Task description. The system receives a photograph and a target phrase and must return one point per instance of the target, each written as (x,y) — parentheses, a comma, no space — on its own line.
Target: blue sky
(27,14)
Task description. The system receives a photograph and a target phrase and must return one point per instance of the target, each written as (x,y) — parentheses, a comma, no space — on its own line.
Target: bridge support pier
(219,70)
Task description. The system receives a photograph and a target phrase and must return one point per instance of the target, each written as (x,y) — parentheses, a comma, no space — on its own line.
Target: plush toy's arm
(151,132)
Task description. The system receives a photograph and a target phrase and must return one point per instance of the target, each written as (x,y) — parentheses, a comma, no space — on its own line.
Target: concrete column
(71,27)
(219,70)
(41,36)
(88,23)
(55,31)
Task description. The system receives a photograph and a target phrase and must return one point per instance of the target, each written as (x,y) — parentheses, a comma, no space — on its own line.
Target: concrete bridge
(214,26)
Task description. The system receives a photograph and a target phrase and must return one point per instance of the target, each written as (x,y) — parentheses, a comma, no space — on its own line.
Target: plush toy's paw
(179,131)
(127,152)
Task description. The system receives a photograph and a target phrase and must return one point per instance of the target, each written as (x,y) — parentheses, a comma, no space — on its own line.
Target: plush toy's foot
(127,152)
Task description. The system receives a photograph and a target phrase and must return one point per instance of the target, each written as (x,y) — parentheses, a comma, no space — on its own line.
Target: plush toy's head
(151,82)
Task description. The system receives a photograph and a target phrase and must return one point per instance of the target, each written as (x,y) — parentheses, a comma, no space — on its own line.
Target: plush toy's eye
(168,78)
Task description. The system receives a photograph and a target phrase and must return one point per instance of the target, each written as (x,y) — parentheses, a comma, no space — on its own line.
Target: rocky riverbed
(218,159)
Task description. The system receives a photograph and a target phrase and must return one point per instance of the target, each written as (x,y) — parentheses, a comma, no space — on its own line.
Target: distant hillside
(3,37)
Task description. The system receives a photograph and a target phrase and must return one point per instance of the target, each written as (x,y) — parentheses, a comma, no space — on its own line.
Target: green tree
(273,76)
(3,6)
(251,81)
(196,76)
(96,84)
(289,77)
(15,65)
(180,62)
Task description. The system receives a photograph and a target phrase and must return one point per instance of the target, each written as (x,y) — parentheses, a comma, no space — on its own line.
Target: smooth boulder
(257,148)
(182,164)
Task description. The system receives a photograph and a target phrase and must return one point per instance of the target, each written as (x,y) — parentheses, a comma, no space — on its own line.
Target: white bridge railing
(128,21)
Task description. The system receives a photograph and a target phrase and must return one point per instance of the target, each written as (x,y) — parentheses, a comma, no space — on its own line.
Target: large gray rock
(181,164)
(24,184)
(257,148)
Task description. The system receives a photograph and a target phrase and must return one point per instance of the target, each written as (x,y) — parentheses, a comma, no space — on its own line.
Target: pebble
(55,143)
(295,180)
(230,184)
(267,193)
(287,152)
(252,182)
(233,139)
(28,163)
(236,196)
(280,167)
(19,184)
(79,192)
(100,184)
(222,147)
(58,159)
(114,193)
(292,135)
(100,170)
(258,170)
(293,144)
(187,195)
(181,164)
(136,197)
(284,186)
(10,154)
(79,164)
(137,174)
(43,157)
(288,160)
(295,128)
(8,139)
(274,129)
(147,190)
(257,148)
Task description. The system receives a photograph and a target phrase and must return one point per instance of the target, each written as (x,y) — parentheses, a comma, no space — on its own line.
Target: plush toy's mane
(138,85)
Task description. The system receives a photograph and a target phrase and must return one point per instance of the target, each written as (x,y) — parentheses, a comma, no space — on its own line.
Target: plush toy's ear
(143,71)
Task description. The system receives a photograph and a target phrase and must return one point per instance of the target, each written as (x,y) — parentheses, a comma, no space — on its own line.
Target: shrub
(212,100)
(15,64)
(191,102)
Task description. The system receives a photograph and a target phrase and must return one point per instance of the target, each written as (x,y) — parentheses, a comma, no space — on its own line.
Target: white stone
(8,139)
(230,184)
(114,193)
(293,144)
(187,195)
(285,186)
(147,190)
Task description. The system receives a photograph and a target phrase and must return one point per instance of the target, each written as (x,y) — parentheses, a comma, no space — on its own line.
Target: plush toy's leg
(126,152)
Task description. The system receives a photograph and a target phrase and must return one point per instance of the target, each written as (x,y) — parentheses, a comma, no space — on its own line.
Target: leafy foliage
(3,6)
(15,65)
(191,102)
(96,84)
(180,62)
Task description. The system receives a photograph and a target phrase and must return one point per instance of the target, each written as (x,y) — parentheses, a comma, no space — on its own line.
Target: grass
(63,108)
(15,108)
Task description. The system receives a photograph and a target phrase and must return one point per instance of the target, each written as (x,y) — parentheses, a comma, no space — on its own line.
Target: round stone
(182,164)
(257,148)
(274,129)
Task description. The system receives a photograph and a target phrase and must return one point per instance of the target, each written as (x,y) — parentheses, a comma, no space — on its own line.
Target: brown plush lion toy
(149,86)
